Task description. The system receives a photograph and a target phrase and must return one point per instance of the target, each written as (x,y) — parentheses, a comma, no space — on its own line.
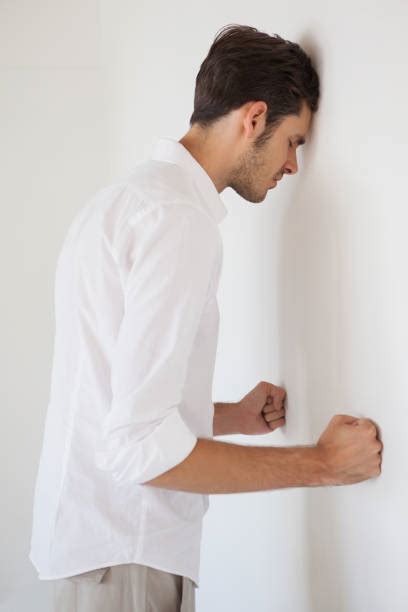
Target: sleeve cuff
(140,460)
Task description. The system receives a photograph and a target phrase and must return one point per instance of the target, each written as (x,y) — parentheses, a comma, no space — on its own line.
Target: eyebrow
(300,139)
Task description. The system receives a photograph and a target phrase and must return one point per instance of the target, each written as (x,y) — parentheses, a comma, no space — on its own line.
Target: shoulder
(155,181)
(161,190)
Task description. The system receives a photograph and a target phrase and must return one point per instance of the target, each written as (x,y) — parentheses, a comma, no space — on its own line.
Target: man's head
(263,160)
(254,100)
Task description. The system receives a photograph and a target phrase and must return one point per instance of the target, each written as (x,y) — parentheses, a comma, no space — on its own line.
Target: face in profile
(260,167)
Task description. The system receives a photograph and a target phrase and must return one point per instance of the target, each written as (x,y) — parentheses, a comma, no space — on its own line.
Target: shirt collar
(170,150)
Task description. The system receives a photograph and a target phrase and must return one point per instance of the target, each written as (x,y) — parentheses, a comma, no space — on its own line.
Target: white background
(313,293)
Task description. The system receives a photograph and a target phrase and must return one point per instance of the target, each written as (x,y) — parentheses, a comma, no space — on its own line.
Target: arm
(165,257)
(221,467)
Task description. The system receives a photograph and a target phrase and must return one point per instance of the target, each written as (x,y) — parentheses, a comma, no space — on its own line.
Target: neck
(210,152)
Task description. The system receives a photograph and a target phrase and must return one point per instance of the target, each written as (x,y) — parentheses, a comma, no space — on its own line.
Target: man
(128,459)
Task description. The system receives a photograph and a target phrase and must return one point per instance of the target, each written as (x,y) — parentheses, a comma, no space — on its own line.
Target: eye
(290,144)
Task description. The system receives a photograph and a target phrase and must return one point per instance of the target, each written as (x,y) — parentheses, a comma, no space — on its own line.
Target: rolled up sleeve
(165,259)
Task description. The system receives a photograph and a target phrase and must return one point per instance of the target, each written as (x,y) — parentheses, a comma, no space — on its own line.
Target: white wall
(313,293)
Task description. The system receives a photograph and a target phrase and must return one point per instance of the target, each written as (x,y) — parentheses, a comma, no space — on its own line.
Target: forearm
(222,467)
(225,419)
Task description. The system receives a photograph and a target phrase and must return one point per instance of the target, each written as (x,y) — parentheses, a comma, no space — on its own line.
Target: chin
(262,197)
(251,196)
(256,199)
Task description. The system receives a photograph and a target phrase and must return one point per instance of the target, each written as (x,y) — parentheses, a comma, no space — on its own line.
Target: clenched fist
(350,450)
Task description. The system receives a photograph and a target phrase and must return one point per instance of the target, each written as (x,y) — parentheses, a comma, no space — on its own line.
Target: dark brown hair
(244,64)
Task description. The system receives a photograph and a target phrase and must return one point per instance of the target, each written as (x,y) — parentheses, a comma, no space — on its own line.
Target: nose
(291,166)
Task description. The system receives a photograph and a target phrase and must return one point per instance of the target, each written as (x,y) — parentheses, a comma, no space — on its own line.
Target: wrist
(226,418)
(321,475)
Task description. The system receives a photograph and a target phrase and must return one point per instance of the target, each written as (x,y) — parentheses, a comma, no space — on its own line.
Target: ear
(254,118)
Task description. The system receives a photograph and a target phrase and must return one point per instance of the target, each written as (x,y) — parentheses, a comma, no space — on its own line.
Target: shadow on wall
(330,251)
(308,315)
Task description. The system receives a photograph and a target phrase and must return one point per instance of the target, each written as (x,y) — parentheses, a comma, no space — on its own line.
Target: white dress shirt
(131,389)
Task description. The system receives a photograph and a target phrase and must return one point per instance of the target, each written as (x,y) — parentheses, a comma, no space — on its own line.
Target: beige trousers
(128,587)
